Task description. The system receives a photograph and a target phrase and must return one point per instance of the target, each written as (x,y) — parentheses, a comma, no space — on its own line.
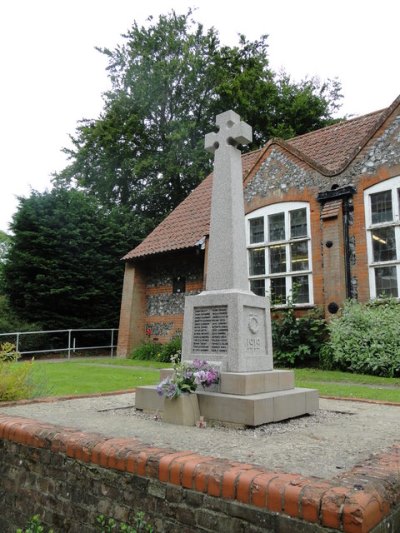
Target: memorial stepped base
(244,398)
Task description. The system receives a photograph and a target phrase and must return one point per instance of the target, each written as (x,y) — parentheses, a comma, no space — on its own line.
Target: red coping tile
(332,505)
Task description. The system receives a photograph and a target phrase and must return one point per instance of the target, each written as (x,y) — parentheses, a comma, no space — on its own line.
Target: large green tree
(63,268)
(169,80)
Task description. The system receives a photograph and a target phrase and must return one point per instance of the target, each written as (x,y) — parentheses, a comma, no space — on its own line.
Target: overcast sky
(52,76)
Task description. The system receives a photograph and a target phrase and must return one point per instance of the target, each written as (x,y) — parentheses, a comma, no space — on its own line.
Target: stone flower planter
(183,411)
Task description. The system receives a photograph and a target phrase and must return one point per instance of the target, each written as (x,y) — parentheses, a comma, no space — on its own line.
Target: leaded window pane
(278,291)
(299,256)
(257,261)
(258,286)
(277,258)
(384,244)
(298,223)
(300,289)
(256,230)
(381,207)
(386,282)
(276,225)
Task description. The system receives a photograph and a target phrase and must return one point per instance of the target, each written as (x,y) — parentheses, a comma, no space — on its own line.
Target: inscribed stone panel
(210,329)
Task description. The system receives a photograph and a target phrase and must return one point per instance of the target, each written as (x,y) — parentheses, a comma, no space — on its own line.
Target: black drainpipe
(345,193)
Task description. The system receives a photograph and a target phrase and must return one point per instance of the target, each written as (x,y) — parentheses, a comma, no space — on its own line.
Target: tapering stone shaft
(227,263)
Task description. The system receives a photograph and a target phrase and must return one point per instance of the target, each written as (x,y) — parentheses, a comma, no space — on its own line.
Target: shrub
(8,353)
(297,341)
(147,351)
(365,339)
(17,383)
(153,351)
(170,349)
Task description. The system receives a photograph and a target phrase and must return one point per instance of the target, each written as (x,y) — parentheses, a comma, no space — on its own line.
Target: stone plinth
(230,329)
(256,409)
(244,383)
(244,399)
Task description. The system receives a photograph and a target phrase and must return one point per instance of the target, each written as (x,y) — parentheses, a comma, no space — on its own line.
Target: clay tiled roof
(189,222)
(335,146)
(329,150)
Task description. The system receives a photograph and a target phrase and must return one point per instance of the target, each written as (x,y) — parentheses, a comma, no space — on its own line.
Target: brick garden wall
(70,477)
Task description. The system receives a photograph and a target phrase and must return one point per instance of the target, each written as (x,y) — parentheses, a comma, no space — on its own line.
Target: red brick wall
(148,302)
(132,316)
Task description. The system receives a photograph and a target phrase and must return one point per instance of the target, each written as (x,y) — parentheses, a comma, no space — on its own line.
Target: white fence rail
(71,338)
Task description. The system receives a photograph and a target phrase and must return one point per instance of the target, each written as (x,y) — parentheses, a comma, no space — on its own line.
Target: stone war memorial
(226,324)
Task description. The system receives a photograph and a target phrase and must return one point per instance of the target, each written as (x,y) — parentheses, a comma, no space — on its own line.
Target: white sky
(52,76)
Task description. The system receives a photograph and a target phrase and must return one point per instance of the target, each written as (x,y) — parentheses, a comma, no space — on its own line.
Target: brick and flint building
(322,225)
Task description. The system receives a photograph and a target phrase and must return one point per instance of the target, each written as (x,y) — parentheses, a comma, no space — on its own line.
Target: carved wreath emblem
(253,324)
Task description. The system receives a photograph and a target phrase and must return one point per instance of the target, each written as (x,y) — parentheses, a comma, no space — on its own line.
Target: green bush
(147,351)
(297,341)
(365,339)
(8,353)
(16,381)
(171,348)
(153,351)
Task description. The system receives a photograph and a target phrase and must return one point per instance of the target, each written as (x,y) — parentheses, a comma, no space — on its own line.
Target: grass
(346,385)
(88,376)
(104,374)
(315,374)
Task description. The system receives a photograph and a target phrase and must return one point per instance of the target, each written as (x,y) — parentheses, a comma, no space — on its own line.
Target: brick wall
(132,314)
(70,477)
(148,300)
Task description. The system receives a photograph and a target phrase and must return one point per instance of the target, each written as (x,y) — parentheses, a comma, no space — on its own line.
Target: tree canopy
(63,268)
(169,80)
(140,158)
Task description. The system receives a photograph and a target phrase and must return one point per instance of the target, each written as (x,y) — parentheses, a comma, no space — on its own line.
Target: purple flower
(187,377)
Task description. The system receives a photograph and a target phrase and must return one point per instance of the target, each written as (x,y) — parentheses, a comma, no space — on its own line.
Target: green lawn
(346,385)
(105,374)
(86,376)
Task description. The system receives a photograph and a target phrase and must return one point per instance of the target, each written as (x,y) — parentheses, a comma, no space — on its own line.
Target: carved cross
(232,131)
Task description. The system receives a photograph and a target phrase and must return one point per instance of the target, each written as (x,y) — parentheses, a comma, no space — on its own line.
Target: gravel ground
(338,436)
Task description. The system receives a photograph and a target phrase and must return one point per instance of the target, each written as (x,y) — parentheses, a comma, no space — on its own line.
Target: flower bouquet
(187,377)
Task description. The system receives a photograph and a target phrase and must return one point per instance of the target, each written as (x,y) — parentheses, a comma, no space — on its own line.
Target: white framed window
(279,253)
(382,219)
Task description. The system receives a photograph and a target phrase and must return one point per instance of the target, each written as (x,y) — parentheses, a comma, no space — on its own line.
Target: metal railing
(71,341)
